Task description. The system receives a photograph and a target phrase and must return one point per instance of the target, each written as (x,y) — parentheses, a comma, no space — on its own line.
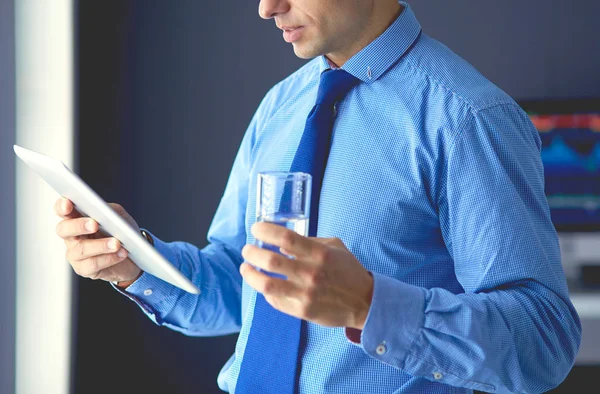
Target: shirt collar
(377,57)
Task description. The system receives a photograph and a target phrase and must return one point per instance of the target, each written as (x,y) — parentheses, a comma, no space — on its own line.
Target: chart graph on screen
(570,134)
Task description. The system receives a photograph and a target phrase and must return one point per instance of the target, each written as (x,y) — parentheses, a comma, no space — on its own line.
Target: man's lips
(292,33)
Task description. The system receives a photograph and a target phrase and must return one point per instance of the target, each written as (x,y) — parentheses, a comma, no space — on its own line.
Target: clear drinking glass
(283,199)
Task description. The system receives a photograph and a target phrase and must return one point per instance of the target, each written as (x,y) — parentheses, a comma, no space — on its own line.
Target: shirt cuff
(394,320)
(151,293)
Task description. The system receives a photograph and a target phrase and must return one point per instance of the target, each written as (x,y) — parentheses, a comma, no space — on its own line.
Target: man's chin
(303,52)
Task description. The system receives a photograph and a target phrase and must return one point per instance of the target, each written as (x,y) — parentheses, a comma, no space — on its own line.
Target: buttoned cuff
(394,320)
(153,295)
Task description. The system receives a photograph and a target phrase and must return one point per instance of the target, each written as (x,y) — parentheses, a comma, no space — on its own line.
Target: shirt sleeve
(213,269)
(514,329)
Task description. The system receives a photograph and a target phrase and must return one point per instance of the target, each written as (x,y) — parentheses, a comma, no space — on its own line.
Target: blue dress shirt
(435,183)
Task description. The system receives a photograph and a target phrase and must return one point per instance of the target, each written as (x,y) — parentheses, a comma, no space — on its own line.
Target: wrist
(126,283)
(365,305)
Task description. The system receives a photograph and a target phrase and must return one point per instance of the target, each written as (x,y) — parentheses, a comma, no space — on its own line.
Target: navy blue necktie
(271,356)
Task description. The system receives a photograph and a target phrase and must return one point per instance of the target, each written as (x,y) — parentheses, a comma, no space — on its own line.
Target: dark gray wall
(532,49)
(165,93)
(7,196)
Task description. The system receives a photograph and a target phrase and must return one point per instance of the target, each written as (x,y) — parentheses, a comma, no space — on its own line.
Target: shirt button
(148,292)
(437,375)
(381,349)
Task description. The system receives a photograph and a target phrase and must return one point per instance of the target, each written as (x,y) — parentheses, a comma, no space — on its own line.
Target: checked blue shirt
(435,183)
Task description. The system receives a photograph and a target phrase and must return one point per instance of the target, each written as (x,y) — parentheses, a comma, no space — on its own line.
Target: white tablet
(69,185)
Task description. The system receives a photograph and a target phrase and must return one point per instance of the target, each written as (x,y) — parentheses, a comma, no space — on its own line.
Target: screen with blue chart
(570,134)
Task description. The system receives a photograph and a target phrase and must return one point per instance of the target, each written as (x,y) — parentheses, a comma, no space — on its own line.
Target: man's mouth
(292,33)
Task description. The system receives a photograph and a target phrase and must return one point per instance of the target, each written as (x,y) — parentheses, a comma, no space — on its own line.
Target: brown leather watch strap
(125,284)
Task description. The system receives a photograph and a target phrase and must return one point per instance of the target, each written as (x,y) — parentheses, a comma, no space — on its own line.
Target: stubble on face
(331,26)
(337,28)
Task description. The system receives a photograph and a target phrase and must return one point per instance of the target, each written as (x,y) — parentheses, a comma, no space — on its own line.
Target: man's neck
(331,64)
(384,14)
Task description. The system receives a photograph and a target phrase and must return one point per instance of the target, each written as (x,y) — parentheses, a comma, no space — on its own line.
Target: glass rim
(285,175)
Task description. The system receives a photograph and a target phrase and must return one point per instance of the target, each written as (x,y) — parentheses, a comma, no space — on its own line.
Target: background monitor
(570,134)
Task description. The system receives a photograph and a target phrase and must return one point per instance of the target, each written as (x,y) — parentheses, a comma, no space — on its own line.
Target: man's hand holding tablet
(111,247)
(90,253)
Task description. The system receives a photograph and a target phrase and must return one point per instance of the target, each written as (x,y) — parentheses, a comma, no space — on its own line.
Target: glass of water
(283,199)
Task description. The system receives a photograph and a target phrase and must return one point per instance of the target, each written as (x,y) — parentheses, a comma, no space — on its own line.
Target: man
(436,268)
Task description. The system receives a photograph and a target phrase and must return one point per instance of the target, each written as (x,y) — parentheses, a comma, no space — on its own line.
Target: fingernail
(63,205)
(122,253)
(112,244)
(89,225)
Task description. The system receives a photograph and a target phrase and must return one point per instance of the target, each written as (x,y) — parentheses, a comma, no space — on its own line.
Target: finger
(287,252)
(292,242)
(86,248)
(270,261)
(75,227)
(65,209)
(91,267)
(70,241)
(270,287)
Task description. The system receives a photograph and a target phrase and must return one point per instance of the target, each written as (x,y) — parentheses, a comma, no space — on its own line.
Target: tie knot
(334,85)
